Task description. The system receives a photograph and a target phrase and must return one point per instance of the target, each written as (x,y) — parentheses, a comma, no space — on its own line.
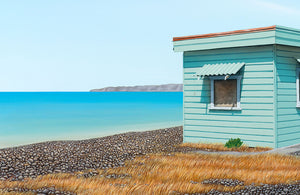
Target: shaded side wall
(288,116)
(254,124)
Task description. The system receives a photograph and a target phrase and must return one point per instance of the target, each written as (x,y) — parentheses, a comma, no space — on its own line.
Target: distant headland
(149,88)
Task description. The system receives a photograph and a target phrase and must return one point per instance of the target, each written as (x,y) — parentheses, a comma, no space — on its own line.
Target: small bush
(234,143)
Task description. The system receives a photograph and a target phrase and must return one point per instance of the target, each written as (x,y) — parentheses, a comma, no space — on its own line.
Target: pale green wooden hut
(242,84)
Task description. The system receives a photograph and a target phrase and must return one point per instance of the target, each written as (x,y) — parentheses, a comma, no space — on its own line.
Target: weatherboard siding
(288,116)
(276,35)
(254,124)
(239,40)
(287,36)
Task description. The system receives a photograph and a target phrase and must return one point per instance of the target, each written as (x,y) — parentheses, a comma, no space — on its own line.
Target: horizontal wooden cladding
(287,41)
(287,91)
(288,143)
(232,118)
(289,135)
(233,57)
(245,54)
(287,32)
(287,48)
(283,61)
(195,87)
(286,79)
(286,36)
(287,98)
(288,73)
(216,113)
(252,30)
(292,54)
(244,106)
(245,87)
(248,99)
(261,38)
(252,106)
(287,104)
(197,93)
(295,136)
(288,111)
(243,93)
(230,52)
(288,117)
(288,130)
(212,134)
(283,85)
(245,81)
(287,58)
(284,124)
(232,124)
(286,66)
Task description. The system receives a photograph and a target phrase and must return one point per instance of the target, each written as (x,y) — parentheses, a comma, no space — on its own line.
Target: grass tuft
(221,147)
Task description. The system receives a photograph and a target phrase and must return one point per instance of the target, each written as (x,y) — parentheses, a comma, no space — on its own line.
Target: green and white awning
(220,69)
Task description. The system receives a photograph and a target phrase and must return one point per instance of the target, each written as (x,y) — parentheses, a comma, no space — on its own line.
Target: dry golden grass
(16,193)
(163,174)
(221,147)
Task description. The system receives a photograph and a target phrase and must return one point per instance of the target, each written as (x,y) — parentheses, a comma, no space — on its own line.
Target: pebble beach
(72,156)
(30,161)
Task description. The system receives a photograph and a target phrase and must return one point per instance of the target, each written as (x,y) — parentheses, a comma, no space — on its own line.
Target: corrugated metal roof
(220,69)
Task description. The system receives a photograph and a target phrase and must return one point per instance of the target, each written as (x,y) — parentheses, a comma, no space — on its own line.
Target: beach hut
(242,84)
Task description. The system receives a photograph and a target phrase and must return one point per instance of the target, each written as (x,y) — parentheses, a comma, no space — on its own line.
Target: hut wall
(255,123)
(288,116)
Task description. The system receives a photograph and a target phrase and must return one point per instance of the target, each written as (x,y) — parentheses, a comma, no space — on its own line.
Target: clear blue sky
(72,45)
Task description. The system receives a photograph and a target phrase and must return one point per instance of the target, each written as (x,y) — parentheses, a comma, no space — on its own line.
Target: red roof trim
(225,33)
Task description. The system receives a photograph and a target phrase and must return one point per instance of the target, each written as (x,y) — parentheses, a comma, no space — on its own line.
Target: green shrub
(234,143)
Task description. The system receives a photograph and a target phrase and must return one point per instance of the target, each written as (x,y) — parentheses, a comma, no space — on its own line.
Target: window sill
(226,108)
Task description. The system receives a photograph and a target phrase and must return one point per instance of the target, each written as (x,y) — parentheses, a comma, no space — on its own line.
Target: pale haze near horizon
(81,45)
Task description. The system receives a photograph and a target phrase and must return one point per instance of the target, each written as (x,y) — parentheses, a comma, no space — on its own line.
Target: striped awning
(220,69)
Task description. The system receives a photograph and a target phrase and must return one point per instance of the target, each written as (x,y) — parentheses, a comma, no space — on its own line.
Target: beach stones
(290,189)
(296,153)
(224,182)
(33,160)
(40,191)
(72,156)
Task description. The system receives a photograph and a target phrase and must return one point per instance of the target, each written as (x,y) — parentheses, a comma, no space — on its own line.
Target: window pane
(225,93)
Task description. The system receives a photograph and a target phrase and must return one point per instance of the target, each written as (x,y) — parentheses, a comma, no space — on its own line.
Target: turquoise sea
(30,117)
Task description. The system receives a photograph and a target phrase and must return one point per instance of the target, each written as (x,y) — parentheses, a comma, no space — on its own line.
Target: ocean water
(31,117)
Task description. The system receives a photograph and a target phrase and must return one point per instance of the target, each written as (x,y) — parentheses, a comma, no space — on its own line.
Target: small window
(225,94)
(298,87)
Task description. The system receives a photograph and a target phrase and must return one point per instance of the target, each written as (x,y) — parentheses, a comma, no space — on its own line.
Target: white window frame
(297,87)
(238,92)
